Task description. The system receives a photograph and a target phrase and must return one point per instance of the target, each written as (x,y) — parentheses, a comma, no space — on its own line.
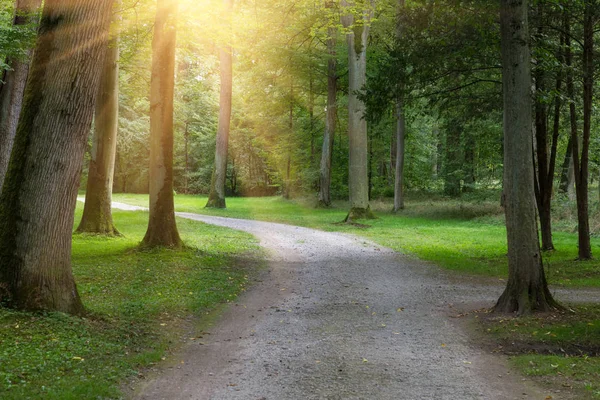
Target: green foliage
(15,40)
(138,303)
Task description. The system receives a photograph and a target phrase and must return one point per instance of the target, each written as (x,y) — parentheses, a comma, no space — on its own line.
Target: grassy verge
(139,302)
(459,235)
(558,349)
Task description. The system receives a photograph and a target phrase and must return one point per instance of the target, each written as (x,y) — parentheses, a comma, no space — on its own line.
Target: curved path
(338,317)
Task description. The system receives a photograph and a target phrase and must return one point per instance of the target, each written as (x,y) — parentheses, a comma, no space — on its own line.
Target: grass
(467,236)
(560,349)
(139,303)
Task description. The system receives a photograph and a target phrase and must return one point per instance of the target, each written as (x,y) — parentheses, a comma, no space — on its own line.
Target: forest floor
(337,316)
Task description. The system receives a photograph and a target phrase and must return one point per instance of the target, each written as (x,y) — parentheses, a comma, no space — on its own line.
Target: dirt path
(338,317)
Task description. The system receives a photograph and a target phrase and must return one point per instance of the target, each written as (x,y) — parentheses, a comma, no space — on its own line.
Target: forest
(457,133)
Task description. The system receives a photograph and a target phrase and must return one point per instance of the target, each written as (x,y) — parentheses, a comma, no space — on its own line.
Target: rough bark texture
(97,212)
(13,88)
(216,197)
(162,228)
(38,201)
(358,180)
(400,149)
(526,290)
(330,122)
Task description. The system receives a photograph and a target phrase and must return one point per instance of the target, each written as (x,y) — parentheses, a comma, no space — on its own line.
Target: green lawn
(139,302)
(464,236)
(560,349)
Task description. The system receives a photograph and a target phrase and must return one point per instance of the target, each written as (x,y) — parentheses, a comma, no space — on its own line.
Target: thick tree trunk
(12,88)
(97,212)
(38,201)
(526,290)
(216,198)
(358,180)
(400,150)
(330,122)
(162,228)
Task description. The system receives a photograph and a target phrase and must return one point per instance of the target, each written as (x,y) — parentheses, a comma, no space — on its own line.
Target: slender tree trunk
(358,181)
(526,290)
(452,162)
(330,122)
(400,151)
(216,198)
(12,87)
(469,163)
(162,228)
(38,200)
(567,176)
(287,189)
(581,165)
(97,212)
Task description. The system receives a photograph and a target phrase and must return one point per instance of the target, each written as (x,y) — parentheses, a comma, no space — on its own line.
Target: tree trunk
(97,212)
(330,122)
(526,290)
(581,166)
(358,181)
(13,88)
(469,163)
(452,162)
(567,176)
(400,150)
(216,198)
(162,228)
(38,201)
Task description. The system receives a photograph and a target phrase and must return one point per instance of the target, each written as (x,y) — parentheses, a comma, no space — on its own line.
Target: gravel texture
(338,317)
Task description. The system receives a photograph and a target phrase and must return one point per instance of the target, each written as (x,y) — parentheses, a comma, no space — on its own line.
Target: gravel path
(338,317)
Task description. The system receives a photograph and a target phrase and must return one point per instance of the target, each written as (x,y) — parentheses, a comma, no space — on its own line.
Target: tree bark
(330,122)
(358,181)
(452,161)
(162,228)
(526,290)
(400,150)
(38,201)
(13,87)
(216,198)
(97,212)
(581,165)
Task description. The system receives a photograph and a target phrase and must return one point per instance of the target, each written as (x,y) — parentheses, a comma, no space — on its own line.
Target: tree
(216,198)
(358,181)
(38,199)
(526,289)
(400,132)
(330,121)
(581,157)
(97,212)
(12,86)
(162,228)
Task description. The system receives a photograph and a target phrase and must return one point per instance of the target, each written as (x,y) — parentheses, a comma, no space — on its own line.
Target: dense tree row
(350,99)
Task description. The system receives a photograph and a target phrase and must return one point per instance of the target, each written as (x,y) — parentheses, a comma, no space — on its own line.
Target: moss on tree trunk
(38,201)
